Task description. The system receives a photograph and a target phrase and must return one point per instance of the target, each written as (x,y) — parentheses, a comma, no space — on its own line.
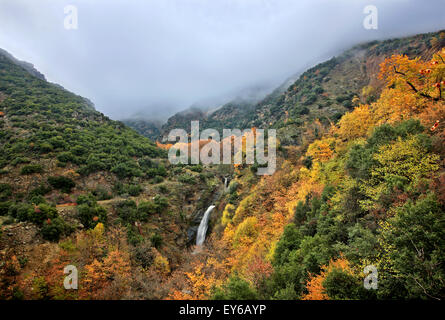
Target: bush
(91,214)
(161,202)
(156,240)
(87,199)
(130,189)
(65,157)
(5,191)
(163,189)
(129,212)
(144,255)
(133,237)
(31,169)
(198,168)
(39,191)
(41,213)
(21,211)
(4,207)
(187,178)
(134,190)
(53,229)
(340,285)
(126,170)
(157,179)
(145,209)
(310,99)
(45,147)
(62,183)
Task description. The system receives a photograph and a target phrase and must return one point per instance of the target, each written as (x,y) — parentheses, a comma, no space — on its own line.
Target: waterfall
(202,230)
(225,183)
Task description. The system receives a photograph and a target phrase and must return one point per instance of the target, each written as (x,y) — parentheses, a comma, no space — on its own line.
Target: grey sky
(160,56)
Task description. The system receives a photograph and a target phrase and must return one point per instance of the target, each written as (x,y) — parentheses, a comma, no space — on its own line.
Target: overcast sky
(161,56)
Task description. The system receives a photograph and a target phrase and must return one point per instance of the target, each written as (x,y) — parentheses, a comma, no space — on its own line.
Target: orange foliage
(100,274)
(314,285)
(414,89)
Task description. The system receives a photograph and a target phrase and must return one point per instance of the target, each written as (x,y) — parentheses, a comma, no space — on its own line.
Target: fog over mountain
(158,57)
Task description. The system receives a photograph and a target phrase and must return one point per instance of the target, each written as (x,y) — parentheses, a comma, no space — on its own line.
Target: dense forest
(360,182)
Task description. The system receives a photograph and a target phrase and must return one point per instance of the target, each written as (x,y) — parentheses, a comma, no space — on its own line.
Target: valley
(360,181)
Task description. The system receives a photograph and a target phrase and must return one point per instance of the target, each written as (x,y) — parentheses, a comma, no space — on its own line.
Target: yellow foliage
(406,159)
(244,208)
(99,230)
(246,229)
(356,124)
(321,150)
(161,264)
(228,213)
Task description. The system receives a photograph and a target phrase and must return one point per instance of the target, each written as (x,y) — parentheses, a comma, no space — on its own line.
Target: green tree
(235,289)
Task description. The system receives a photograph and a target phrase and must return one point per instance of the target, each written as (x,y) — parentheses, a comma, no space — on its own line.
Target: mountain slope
(360,204)
(69,174)
(324,92)
(147,128)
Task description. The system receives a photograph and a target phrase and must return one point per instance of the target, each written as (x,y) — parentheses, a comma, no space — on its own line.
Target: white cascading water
(225,183)
(202,230)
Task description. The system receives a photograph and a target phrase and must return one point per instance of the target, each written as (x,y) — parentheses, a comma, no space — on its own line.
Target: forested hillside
(360,181)
(147,128)
(366,191)
(76,185)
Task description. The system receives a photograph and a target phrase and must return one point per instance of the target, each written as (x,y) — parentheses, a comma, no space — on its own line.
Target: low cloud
(157,57)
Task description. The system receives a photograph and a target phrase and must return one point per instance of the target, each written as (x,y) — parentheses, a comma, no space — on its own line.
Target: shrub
(126,170)
(91,214)
(21,211)
(134,190)
(4,207)
(156,240)
(45,147)
(53,229)
(127,211)
(20,160)
(157,179)
(197,168)
(39,191)
(41,213)
(5,191)
(87,199)
(310,99)
(31,169)
(340,285)
(161,264)
(145,209)
(62,183)
(163,189)
(187,178)
(228,214)
(133,237)
(144,255)
(65,157)
(161,202)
